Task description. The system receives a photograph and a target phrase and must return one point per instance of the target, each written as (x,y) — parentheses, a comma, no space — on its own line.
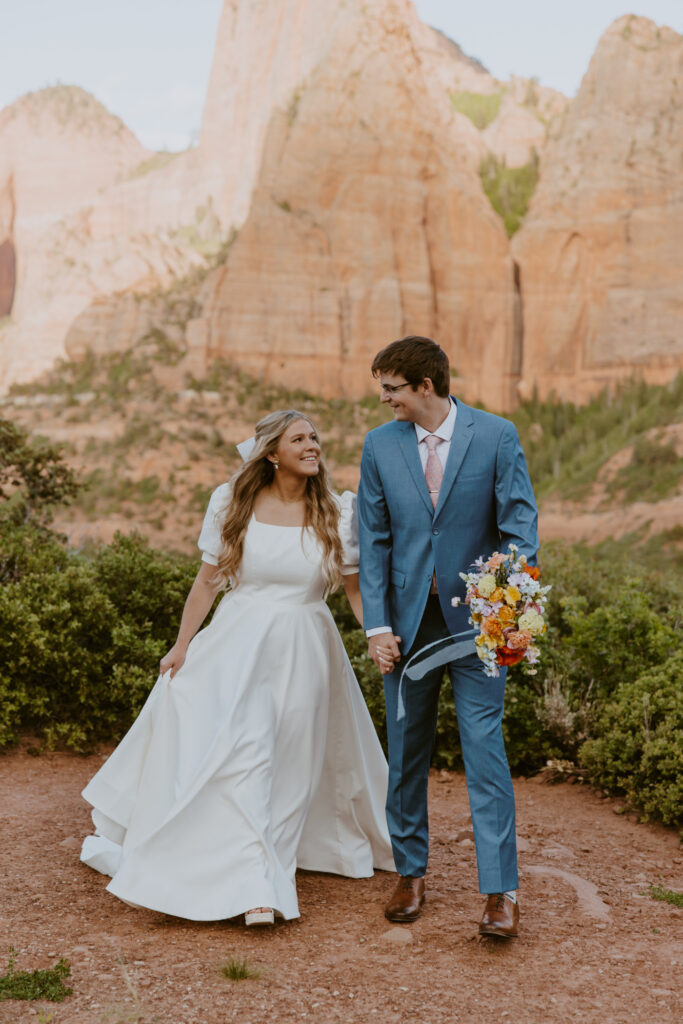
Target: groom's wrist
(377,630)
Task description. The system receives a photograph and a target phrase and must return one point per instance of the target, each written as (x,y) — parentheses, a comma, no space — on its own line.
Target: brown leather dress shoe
(406,902)
(501,917)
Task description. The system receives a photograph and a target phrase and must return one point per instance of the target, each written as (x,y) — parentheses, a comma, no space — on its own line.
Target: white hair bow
(245,448)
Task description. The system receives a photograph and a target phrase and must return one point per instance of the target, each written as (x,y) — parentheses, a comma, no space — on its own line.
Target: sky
(149,60)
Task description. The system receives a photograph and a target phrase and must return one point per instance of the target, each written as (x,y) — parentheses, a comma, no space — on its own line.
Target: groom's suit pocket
(398,579)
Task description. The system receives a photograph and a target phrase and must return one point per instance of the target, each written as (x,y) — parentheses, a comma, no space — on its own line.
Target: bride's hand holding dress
(197,606)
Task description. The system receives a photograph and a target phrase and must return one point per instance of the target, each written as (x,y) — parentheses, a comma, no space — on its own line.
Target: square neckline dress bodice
(258,757)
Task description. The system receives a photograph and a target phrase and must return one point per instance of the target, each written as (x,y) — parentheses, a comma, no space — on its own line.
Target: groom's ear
(428,385)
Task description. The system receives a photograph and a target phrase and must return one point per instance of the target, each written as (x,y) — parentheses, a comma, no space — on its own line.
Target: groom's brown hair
(415,358)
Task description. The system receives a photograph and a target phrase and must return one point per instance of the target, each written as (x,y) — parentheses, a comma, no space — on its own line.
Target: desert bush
(145,584)
(637,747)
(566,444)
(61,641)
(81,638)
(509,189)
(33,476)
(654,469)
(481,108)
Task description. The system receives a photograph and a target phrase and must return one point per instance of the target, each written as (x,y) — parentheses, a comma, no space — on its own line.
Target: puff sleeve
(209,542)
(348,532)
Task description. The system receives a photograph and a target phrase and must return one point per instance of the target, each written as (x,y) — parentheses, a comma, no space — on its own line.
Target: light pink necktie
(433,476)
(433,469)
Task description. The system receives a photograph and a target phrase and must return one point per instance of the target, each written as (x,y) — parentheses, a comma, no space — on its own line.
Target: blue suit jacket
(486,501)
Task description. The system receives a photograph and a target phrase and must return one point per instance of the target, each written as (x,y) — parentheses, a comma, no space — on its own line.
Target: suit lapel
(408,443)
(460,442)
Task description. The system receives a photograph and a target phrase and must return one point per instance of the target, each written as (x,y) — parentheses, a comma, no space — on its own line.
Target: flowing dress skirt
(257,757)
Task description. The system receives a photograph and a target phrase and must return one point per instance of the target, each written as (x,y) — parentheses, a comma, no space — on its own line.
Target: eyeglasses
(391,389)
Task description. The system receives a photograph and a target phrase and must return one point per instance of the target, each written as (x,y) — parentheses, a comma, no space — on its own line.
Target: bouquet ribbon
(414,669)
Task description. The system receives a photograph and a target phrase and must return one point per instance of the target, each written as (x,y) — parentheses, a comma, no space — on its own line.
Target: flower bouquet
(507,603)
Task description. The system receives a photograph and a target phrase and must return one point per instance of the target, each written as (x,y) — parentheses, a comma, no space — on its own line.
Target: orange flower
(506,614)
(492,627)
(497,595)
(533,571)
(504,656)
(519,641)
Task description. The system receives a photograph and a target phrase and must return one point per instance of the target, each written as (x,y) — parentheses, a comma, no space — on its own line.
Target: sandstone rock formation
(601,250)
(368,221)
(69,175)
(340,149)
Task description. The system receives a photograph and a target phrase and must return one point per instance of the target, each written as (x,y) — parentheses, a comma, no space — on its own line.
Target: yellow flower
(486,585)
(512,595)
(506,615)
(532,621)
(497,594)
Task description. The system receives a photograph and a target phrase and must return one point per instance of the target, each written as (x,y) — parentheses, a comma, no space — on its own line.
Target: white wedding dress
(258,757)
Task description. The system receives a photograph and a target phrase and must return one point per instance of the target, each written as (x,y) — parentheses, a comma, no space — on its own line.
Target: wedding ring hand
(386,658)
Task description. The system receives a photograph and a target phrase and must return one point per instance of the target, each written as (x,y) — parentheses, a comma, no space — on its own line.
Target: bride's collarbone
(272,510)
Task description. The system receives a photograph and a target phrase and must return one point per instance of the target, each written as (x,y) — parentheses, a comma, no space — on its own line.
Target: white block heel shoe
(259,917)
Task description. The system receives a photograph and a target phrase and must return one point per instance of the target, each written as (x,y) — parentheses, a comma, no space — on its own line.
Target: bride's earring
(276,465)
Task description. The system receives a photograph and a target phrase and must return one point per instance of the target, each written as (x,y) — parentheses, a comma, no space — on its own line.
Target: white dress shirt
(445,432)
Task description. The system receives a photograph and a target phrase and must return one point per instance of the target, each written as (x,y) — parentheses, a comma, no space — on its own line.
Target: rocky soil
(593,947)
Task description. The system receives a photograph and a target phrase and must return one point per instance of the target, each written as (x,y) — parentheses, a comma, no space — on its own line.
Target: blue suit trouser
(479,707)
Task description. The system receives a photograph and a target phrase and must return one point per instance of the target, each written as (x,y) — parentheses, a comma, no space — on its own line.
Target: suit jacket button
(435,532)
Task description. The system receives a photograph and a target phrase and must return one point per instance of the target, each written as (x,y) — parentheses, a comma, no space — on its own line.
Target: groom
(440,486)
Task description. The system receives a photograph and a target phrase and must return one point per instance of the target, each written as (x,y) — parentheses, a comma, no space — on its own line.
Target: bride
(254,753)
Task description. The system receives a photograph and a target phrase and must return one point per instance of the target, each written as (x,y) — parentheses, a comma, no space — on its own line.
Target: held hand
(174,660)
(384,650)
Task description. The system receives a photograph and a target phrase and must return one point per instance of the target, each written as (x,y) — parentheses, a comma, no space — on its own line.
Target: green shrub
(566,444)
(60,639)
(509,189)
(33,475)
(638,744)
(47,983)
(654,469)
(27,548)
(481,108)
(615,642)
(80,639)
(144,584)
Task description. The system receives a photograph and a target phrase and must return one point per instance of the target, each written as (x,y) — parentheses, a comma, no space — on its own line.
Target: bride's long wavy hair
(321,510)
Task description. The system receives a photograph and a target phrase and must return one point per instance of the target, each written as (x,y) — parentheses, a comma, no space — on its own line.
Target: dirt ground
(593,946)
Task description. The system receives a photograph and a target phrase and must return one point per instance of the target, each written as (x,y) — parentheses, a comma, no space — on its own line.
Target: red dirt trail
(594,947)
